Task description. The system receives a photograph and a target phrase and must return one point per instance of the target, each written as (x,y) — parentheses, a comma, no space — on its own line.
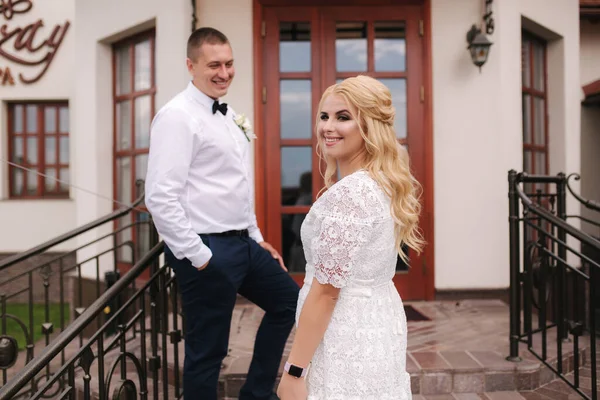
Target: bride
(350,342)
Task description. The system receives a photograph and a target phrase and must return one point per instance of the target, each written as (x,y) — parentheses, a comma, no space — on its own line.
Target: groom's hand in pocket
(274,253)
(200,268)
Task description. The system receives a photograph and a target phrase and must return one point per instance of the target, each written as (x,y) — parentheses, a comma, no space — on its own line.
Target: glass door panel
(306,50)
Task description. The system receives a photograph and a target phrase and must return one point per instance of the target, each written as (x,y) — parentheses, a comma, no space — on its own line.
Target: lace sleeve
(338,244)
(347,214)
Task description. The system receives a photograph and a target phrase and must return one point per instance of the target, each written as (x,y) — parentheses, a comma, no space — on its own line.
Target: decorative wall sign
(6,77)
(29,46)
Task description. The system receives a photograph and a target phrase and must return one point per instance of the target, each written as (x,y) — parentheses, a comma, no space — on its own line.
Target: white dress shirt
(199,178)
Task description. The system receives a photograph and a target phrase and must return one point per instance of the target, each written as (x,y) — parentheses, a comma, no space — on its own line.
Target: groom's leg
(273,290)
(208,298)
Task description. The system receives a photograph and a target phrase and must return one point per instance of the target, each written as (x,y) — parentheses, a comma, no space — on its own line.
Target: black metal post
(156,325)
(515,308)
(561,210)
(71,381)
(528,258)
(3,325)
(543,304)
(176,336)
(154,267)
(101,384)
(162,281)
(155,361)
(143,357)
(594,283)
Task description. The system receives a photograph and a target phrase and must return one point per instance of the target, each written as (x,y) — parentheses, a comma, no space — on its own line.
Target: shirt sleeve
(338,244)
(173,144)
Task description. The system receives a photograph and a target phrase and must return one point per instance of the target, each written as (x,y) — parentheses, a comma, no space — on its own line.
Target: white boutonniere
(244,124)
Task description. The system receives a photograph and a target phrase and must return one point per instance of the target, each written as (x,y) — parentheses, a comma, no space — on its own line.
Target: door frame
(260,147)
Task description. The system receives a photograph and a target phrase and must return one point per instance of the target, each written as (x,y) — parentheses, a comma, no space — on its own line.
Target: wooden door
(305,50)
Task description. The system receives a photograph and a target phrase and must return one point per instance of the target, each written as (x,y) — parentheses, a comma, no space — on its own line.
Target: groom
(200,192)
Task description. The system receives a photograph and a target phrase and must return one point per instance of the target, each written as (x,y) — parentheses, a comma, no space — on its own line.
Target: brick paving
(459,355)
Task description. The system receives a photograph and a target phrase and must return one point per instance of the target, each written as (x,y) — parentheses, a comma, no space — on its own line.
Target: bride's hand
(291,388)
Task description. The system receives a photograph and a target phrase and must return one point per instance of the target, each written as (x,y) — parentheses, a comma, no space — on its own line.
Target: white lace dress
(348,239)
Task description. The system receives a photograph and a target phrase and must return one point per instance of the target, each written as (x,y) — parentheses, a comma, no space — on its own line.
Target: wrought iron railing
(554,280)
(44,288)
(591,205)
(132,362)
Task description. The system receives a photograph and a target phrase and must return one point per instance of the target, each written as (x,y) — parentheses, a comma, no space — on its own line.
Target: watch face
(295,371)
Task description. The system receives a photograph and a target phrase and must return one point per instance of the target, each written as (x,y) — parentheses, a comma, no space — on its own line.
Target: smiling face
(338,132)
(212,71)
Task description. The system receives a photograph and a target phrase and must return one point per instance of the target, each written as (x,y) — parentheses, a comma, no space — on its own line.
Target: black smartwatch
(294,370)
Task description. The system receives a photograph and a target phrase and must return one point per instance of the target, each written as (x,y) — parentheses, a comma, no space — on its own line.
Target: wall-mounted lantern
(479,44)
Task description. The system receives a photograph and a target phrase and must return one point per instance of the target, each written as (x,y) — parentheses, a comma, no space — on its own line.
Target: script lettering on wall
(31,46)
(6,77)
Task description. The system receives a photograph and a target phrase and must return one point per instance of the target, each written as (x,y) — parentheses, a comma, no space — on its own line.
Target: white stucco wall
(590,121)
(26,223)
(478,130)
(106,22)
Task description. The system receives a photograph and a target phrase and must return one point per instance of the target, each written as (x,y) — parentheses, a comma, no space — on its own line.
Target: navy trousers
(239,265)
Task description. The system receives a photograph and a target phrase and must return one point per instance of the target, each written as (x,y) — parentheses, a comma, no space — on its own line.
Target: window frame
(131,96)
(41,192)
(532,147)
(132,151)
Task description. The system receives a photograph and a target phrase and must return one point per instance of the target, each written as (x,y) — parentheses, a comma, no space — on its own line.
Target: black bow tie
(219,107)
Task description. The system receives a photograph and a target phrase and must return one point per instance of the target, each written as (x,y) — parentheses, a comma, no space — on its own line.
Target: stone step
(435,369)
(473,396)
(432,373)
(477,372)
(558,389)
(459,352)
(444,375)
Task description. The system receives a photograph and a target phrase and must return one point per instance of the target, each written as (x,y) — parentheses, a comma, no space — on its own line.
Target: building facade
(464,127)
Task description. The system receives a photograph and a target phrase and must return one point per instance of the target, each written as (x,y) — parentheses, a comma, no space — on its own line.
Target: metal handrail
(542,212)
(572,284)
(14,385)
(17,258)
(590,204)
(74,251)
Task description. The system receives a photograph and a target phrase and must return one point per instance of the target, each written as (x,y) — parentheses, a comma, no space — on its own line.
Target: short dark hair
(201,36)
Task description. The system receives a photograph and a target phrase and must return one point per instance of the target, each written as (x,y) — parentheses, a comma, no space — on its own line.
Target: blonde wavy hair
(375,114)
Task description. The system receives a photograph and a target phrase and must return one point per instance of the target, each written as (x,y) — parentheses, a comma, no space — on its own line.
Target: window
(535,122)
(38,135)
(133,98)
(535,105)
